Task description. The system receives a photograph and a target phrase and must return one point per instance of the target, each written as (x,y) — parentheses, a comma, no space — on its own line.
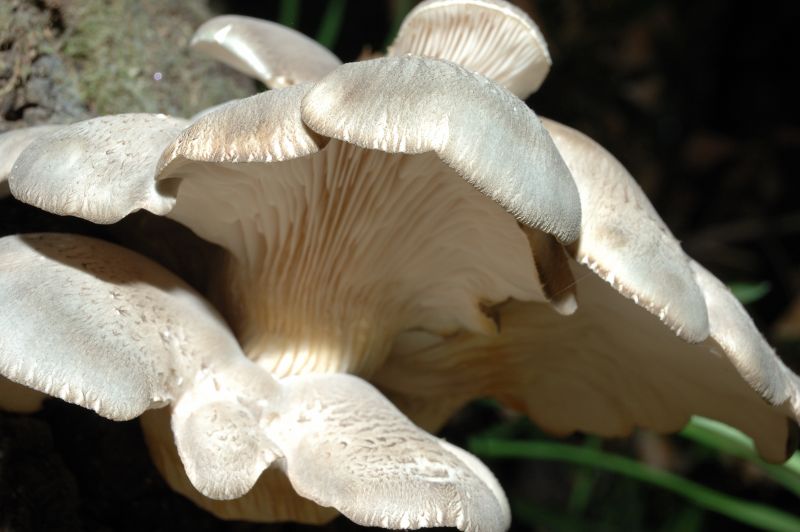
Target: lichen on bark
(63,60)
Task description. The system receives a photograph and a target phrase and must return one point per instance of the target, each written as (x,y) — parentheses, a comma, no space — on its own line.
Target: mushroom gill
(334,254)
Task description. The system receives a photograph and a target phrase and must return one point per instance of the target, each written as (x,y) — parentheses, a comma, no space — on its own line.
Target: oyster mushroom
(104,168)
(655,337)
(275,55)
(403,220)
(492,37)
(335,249)
(126,336)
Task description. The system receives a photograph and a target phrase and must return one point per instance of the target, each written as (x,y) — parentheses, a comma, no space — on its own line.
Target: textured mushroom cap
(271,500)
(491,37)
(343,446)
(99,326)
(732,328)
(624,240)
(100,169)
(274,54)
(266,127)
(378,469)
(413,105)
(12,143)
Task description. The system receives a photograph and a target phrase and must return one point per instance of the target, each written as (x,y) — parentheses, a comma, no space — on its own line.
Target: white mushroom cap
(624,241)
(655,338)
(492,37)
(413,105)
(272,499)
(12,143)
(732,328)
(100,169)
(97,325)
(274,54)
(123,335)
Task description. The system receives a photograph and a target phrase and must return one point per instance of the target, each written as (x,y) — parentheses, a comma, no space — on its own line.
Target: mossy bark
(67,60)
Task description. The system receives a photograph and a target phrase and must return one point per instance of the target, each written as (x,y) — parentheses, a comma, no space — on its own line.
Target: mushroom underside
(336,253)
(606,369)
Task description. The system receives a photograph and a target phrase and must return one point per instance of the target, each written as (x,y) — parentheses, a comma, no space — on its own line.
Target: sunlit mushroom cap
(12,143)
(99,169)
(274,54)
(492,37)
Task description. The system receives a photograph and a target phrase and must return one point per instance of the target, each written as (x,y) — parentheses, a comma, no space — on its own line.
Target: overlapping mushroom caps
(402,220)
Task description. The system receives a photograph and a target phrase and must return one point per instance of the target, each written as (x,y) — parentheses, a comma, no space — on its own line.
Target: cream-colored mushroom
(329,220)
(12,143)
(492,37)
(125,336)
(402,219)
(655,338)
(99,169)
(335,250)
(275,55)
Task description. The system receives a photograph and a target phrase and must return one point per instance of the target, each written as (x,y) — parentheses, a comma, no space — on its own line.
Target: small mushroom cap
(100,169)
(274,54)
(413,105)
(411,477)
(491,37)
(12,143)
(266,127)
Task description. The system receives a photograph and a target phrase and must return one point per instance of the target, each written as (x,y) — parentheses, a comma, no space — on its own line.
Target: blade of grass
(727,439)
(331,25)
(748,293)
(289,12)
(753,514)
(583,483)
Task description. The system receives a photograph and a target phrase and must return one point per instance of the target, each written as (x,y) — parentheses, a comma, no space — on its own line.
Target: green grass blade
(583,483)
(753,514)
(748,293)
(289,13)
(727,439)
(331,25)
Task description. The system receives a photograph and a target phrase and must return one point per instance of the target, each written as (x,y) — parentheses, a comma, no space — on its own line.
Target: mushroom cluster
(405,221)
